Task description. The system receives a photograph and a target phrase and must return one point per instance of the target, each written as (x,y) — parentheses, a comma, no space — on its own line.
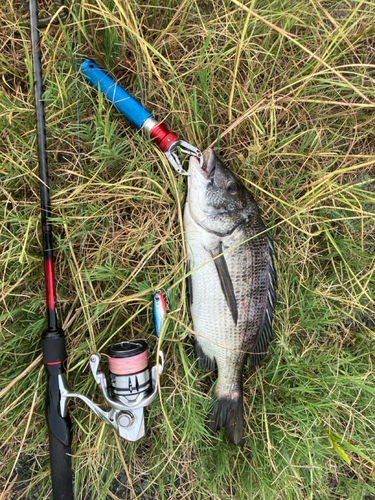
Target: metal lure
(159,309)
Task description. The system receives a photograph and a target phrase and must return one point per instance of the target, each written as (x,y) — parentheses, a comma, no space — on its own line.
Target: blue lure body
(159,309)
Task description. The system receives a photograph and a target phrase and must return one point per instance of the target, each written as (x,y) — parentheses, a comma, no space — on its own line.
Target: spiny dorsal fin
(264,337)
(225,281)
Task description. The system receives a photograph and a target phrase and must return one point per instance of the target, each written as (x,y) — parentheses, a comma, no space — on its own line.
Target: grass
(285,92)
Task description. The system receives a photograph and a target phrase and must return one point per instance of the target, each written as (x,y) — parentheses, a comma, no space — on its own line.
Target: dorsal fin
(225,280)
(259,349)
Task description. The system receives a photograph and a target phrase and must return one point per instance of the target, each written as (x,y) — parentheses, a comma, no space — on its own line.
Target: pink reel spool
(128,366)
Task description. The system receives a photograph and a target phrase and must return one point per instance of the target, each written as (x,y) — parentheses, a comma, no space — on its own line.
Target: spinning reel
(132,386)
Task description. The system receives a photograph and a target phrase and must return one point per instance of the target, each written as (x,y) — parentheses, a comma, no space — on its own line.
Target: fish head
(218,200)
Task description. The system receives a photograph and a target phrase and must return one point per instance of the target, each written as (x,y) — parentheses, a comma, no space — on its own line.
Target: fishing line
(127,358)
(60,9)
(131,379)
(83,215)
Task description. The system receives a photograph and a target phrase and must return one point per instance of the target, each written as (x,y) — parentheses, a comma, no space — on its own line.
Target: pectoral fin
(190,282)
(225,281)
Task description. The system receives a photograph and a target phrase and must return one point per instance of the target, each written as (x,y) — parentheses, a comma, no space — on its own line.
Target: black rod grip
(59,435)
(61,469)
(53,344)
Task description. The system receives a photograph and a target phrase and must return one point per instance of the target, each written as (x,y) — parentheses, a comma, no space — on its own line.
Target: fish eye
(232,187)
(157,299)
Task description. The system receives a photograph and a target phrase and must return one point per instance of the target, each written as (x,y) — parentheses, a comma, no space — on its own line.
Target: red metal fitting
(163,137)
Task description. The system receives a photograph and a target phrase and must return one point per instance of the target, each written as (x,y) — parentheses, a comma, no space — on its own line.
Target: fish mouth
(199,179)
(207,171)
(209,163)
(202,174)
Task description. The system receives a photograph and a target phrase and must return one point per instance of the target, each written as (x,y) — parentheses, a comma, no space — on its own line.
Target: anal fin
(204,362)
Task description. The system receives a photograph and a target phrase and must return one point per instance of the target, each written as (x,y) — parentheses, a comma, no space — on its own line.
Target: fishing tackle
(53,338)
(132,386)
(167,141)
(159,311)
(60,7)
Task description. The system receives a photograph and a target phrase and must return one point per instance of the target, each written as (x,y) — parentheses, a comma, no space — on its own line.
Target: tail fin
(228,413)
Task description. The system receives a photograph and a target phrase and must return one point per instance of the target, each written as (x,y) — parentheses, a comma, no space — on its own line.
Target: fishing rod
(132,384)
(53,338)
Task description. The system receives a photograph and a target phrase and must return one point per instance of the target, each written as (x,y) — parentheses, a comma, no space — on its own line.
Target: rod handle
(54,356)
(117,95)
(61,469)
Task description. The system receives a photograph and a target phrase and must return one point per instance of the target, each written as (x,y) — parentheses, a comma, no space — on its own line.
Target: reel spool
(129,371)
(132,386)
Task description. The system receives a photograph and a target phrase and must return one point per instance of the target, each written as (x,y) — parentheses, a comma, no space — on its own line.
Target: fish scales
(231,286)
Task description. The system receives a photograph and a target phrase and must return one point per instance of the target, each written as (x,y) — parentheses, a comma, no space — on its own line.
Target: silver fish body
(232,283)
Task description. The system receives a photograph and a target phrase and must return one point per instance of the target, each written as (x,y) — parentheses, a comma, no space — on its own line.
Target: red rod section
(50,284)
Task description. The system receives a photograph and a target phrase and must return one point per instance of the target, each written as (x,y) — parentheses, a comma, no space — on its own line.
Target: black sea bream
(232,290)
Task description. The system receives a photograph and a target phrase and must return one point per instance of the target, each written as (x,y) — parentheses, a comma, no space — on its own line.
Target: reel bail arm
(128,392)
